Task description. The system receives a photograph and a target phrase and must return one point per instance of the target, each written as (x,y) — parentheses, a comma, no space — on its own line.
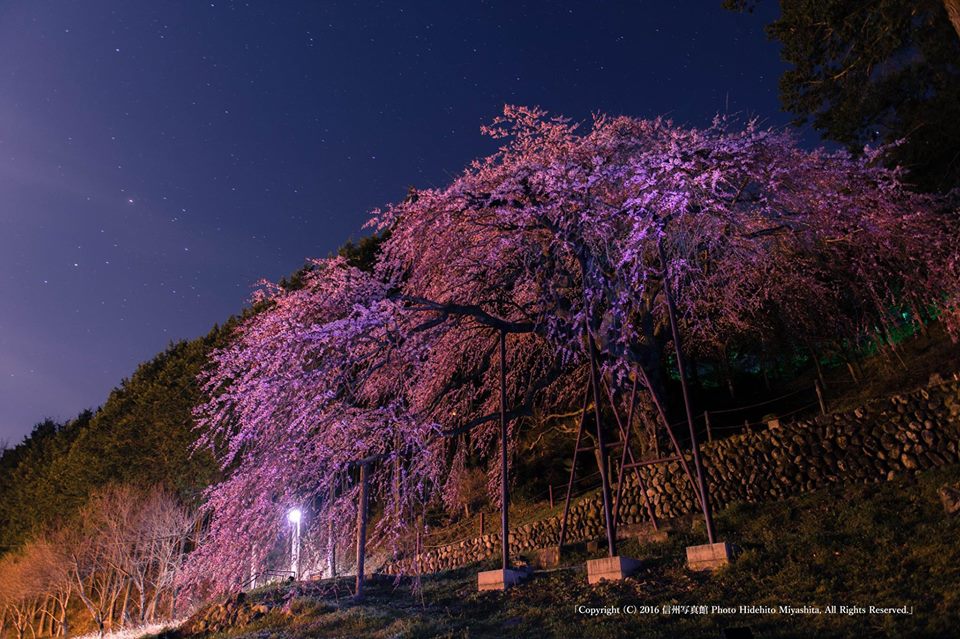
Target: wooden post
(550,491)
(331,551)
(817,387)
(611,525)
(481,523)
(706,419)
(695,448)
(573,472)
(361,530)
(504,489)
(816,362)
(853,373)
(625,453)
(331,539)
(673,438)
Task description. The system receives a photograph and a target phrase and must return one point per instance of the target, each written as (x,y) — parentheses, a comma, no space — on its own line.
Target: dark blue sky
(158,158)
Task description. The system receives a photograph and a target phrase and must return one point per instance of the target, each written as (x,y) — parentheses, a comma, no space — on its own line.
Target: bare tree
(120,556)
(167,525)
(50,561)
(20,593)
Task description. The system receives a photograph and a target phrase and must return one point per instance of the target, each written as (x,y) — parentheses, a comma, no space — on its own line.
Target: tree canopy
(561,239)
(876,73)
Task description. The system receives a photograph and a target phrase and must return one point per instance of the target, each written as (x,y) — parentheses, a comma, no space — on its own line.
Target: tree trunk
(953,12)
(64,630)
(152,607)
(727,372)
(361,530)
(114,594)
(918,319)
(331,540)
(126,602)
(764,368)
(47,616)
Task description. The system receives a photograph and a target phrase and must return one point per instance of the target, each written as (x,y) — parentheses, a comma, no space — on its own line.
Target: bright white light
(294,516)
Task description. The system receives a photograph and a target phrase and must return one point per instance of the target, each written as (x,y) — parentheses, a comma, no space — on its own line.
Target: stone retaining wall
(904,433)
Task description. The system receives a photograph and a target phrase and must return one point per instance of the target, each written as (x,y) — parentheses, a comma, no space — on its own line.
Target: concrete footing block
(500,579)
(708,556)
(610,568)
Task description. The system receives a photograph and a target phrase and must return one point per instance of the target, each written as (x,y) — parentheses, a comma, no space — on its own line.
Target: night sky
(158,158)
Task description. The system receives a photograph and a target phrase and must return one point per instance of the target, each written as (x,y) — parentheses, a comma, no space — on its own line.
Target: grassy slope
(885,545)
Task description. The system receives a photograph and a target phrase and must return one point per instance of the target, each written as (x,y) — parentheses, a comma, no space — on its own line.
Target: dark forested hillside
(142,435)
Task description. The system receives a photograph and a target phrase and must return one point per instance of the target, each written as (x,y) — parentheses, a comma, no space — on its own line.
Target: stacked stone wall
(902,434)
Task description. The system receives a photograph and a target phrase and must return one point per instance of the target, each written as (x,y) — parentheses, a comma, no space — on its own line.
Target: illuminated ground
(884,545)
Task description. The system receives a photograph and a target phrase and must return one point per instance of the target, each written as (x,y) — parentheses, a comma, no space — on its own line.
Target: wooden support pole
(593,449)
(695,448)
(651,462)
(626,445)
(627,452)
(573,472)
(331,540)
(706,419)
(670,434)
(550,492)
(361,530)
(819,389)
(611,525)
(815,356)
(481,523)
(504,488)
(853,373)
(331,551)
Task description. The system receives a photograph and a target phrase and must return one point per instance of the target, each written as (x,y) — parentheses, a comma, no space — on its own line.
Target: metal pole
(504,490)
(295,548)
(672,312)
(604,479)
